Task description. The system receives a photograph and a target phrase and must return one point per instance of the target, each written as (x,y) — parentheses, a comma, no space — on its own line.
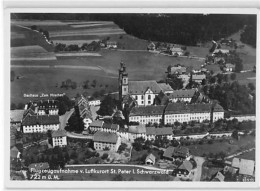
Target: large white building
(182,112)
(59,138)
(104,140)
(181,95)
(148,114)
(143,92)
(40,123)
(43,107)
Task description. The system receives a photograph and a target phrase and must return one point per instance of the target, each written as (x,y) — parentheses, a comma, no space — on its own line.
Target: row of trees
(68,84)
(93,46)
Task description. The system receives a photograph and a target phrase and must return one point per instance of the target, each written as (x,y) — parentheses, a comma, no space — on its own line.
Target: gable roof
(186,165)
(218,108)
(40,120)
(220,177)
(110,126)
(137,129)
(178,69)
(168,152)
(163,131)
(165,87)
(147,110)
(175,108)
(245,166)
(150,131)
(105,137)
(59,133)
(198,76)
(16,115)
(151,157)
(47,104)
(96,123)
(14,152)
(187,93)
(140,87)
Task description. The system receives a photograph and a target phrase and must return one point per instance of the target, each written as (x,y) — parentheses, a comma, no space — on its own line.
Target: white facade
(146,119)
(51,112)
(111,146)
(40,128)
(133,136)
(218,115)
(59,141)
(180,117)
(87,122)
(146,99)
(94,102)
(182,99)
(123,135)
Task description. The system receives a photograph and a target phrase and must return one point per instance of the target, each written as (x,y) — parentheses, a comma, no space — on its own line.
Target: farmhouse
(59,138)
(108,127)
(222,51)
(40,123)
(151,46)
(183,171)
(144,92)
(148,114)
(104,140)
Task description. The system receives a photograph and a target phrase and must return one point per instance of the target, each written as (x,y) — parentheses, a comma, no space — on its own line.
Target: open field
(248,155)
(216,147)
(140,66)
(246,77)
(33,52)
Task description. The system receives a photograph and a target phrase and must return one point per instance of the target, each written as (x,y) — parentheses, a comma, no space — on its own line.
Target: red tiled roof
(105,137)
(140,87)
(40,120)
(147,110)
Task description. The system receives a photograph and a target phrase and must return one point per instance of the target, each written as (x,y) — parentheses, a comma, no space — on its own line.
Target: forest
(185,29)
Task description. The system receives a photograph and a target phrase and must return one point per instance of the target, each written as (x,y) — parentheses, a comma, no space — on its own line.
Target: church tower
(122,81)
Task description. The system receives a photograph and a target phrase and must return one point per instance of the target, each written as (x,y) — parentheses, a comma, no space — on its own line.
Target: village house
(59,138)
(177,70)
(96,125)
(176,51)
(222,51)
(104,140)
(111,44)
(136,131)
(219,177)
(229,67)
(152,133)
(40,123)
(183,95)
(150,159)
(148,114)
(165,88)
(173,153)
(144,92)
(108,127)
(151,46)
(36,167)
(43,107)
(183,171)
(244,166)
(198,78)
(15,153)
(16,117)
(161,99)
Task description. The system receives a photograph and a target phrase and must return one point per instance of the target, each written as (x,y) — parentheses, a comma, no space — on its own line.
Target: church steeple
(122,81)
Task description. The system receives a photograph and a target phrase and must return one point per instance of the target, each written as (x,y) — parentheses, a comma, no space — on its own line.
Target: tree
(233,76)
(107,106)
(34,27)
(13,106)
(64,104)
(175,82)
(251,86)
(121,148)
(104,156)
(94,83)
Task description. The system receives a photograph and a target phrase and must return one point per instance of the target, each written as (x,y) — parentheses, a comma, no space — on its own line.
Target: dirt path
(198,171)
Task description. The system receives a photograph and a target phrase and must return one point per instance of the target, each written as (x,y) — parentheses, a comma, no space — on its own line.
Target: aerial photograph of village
(132,97)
